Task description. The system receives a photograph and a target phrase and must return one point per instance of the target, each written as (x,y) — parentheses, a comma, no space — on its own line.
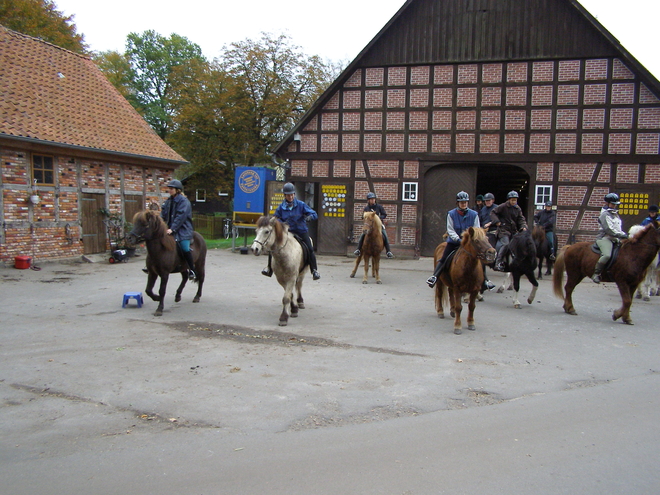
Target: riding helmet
(175,184)
(462,196)
(612,198)
(371,195)
(480,197)
(489,196)
(548,203)
(654,208)
(289,188)
(512,194)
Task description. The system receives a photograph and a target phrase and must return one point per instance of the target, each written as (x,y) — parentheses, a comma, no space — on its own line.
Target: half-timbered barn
(482,96)
(71,146)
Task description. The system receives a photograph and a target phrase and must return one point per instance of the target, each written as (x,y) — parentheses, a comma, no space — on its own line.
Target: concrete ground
(367,391)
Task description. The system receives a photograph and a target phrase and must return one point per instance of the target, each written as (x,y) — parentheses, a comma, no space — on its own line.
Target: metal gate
(441,184)
(93,228)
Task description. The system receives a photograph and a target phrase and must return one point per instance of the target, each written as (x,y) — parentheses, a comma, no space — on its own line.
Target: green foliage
(117,68)
(41,19)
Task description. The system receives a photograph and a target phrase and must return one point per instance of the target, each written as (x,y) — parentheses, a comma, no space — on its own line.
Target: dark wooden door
(334,218)
(133,203)
(441,184)
(93,228)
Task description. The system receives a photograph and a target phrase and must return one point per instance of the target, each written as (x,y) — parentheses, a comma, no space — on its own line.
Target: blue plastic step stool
(135,295)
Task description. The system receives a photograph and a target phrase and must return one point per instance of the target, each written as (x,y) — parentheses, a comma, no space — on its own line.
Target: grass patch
(223,243)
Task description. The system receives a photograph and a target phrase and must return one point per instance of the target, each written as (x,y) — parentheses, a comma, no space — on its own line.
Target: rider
(177,213)
(509,219)
(458,220)
(546,219)
(484,218)
(296,214)
(479,203)
(653,215)
(610,231)
(380,211)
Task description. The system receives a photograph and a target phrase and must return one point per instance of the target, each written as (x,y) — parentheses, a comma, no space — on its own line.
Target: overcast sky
(214,23)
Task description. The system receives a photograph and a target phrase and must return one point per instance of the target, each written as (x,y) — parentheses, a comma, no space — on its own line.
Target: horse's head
(270,233)
(476,242)
(371,222)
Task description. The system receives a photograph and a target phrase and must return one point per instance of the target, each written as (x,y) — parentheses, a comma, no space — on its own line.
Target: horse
(371,247)
(522,249)
(627,271)
(464,274)
(288,262)
(163,257)
(543,250)
(650,286)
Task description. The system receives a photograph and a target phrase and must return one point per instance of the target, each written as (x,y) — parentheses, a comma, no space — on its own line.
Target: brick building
(71,142)
(482,96)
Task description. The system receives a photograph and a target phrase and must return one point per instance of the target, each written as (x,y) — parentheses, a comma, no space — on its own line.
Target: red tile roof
(48,93)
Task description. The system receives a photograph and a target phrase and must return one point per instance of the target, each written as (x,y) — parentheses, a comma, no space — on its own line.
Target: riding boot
(268,271)
(433,279)
(386,241)
(191,264)
(596,276)
(359,248)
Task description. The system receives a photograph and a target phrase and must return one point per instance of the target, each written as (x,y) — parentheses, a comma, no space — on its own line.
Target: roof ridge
(19,34)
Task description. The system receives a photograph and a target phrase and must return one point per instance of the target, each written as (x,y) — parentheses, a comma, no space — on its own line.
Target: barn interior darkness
(501,179)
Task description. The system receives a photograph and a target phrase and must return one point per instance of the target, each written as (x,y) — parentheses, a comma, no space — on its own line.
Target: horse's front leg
(200,283)
(516,289)
(286,302)
(161,293)
(535,286)
(457,308)
(540,276)
(571,283)
(184,280)
(375,264)
(357,263)
(471,305)
(623,312)
(151,281)
(366,268)
(506,283)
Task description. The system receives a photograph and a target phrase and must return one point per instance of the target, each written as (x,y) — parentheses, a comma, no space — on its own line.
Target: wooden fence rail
(210,227)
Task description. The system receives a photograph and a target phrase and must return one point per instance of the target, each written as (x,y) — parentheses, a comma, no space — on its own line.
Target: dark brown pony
(465,274)
(163,257)
(543,250)
(371,247)
(627,271)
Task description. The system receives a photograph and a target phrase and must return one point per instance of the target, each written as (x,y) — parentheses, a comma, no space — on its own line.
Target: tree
(41,19)
(117,68)
(152,59)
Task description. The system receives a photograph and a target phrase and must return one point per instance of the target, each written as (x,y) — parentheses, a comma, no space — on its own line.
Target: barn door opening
(93,228)
(499,179)
(441,184)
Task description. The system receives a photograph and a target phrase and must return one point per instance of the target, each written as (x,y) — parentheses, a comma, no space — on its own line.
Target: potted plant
(117,229)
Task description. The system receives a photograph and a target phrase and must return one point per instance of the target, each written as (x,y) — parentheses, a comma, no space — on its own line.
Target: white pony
(650,286)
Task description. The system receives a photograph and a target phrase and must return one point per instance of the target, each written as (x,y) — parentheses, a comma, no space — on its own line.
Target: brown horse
(627,271)
(163,257)
(372,246)
(288,262)
(465,274)
(543,250)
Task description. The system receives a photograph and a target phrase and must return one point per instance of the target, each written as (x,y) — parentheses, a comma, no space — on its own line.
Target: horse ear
(471,231)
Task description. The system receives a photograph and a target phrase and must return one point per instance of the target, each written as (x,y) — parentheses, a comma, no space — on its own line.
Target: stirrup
(191,275)
(431,281)
(356,252)
(315,275)
(489,285)
(499,266)
(267,272)
(390,255)
(552,257)
(145,270)
(596,278)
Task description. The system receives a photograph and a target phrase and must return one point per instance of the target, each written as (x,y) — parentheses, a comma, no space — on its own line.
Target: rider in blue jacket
(177,213)
(296,214)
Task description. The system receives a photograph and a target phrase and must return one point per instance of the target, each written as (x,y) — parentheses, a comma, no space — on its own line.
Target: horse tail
(441,296)
(558,275)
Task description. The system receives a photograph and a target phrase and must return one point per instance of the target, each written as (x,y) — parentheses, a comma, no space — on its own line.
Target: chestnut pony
(627,271)
(372,246)
(163,257)
(465,274)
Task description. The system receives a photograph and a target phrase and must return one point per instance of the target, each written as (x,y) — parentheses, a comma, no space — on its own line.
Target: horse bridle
(263,244)
(480,256)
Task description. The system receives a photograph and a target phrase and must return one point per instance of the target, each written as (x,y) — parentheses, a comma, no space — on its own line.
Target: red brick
(396,76)
(491,73)
(374,77)
(468,74)
(595,69)
(443,74)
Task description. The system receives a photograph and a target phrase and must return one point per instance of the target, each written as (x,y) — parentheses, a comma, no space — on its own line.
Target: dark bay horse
(288,262)
(543,250)
(627,271)
(464,274)
(372,246)
(163,257)
(522,253)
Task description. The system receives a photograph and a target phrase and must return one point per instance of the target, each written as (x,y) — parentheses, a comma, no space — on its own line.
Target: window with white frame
(200,195)
(543,195)
(410,191)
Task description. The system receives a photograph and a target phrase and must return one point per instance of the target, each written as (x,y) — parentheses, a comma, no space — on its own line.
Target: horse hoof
(364,282)
(282,323)
(379,282)
(458,331)
(301,306)
(452,314)
(500,290)
(530,301)
(517,306)
(628,322)
(480,298)
(441,315)
(352,275)
(646,298)
(574,313)
(158,313)
(177,299)
(471,327)
(196,300)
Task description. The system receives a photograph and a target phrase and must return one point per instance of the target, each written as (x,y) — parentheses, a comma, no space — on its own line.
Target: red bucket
(22,262)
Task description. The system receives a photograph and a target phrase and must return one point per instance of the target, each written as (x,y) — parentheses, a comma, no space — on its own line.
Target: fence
(209,226)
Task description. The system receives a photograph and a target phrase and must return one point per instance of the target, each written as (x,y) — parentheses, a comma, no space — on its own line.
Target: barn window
(410,191)
(42,169)
(543,194)
(200,195)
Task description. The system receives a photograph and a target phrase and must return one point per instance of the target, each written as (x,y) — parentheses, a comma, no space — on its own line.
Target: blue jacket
(649,220)
(457,223)
(295,215)
(180,220)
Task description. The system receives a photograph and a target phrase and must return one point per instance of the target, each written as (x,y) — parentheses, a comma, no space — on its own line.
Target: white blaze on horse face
(260,240)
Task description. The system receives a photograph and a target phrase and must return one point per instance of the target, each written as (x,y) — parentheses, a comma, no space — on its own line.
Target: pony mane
(637,232)
(376,219)
(158,226)
(279,228)
(479,233)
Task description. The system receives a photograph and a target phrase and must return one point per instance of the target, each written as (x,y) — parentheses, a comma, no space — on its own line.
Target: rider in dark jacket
(546,218)
(484,218)
(509,219)
(177,213)
(380,211)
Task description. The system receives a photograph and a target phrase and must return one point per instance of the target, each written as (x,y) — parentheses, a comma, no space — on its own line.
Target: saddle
(305,250)
(615,253)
